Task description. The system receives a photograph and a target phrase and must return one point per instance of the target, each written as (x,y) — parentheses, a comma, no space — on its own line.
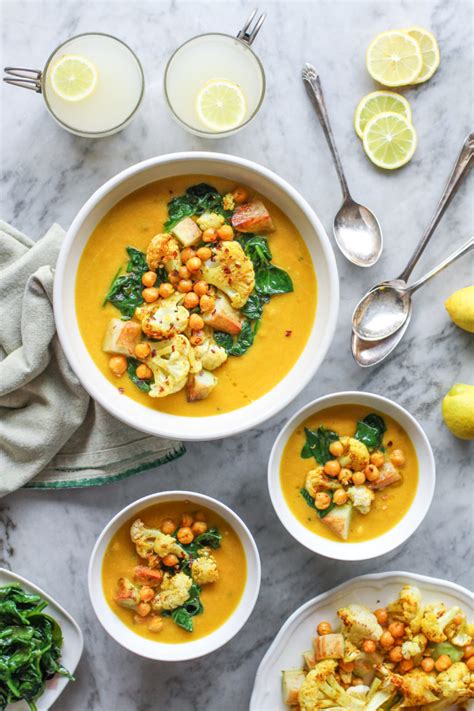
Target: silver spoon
(368,353)
(383,310)
(356,229)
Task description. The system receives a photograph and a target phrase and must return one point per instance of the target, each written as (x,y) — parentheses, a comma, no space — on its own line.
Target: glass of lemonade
(92,84)
(214,83)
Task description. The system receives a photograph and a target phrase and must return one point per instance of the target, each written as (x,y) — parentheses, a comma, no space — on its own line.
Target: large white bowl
(410,521)
(194,648)
(210,164)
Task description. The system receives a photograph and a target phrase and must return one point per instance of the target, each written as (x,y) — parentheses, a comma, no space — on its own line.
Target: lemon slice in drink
(394,59)
(73,77)
(379,102)
(221,105)
(389,140)
(429,52)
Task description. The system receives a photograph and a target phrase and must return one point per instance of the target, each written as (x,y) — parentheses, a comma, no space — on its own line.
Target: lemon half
(73,77)
(221,105)
(429,52)
(379,102)
(394,58)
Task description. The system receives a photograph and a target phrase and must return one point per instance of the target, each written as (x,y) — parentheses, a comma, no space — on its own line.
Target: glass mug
(113,102)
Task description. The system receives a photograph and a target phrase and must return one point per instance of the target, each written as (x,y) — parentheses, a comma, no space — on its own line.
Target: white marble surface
(46,176)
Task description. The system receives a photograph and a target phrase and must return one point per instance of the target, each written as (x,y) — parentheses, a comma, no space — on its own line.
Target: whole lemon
(458,410)
(460,306)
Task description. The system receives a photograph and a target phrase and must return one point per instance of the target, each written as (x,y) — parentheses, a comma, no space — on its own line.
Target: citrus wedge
(394,59)
(221,105)
(73,77)
(389,140)
(429,52)
(379,102)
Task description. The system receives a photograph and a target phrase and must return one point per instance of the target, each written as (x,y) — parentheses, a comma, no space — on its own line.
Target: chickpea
(336,449)
(382,615)
(468,651)
(240,195)
(345,475)
(198,338)
(143,609)
(191,300)
(165,290)
(427,664)
(340,497)
(358,478)
(187,520)
(144,372)
(457,619)
(187,253)
(371,472)
(150,294)
(118,365)
(387,640)
(194,264)
(185,285)
(155,624)
(170,560)
(146,593)
(369,646)
(195,322)
(396,655)
(397,629)
(201,288)
(173,278)
(397,458)
(443,662)
(184,272)
(185,535)
(149,279)
(199,527)
(347,666)
(405,666)
(168,526)
(332,468)
(204,253)
(322,500)
(142,350)
(206,303)
(200,516)
(209,235)
(225,233)
(470,664)
(377,459)
(324,628)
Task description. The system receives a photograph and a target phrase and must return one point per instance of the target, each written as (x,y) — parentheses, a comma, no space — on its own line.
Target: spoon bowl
(382,311)
(358,234)
(368,353)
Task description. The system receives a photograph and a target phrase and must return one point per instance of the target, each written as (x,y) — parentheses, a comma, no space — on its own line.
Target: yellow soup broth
(219,599)
(390,504)
(284,329)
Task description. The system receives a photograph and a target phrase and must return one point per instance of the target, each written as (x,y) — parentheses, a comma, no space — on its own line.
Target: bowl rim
(374,547)
(252,583)
(240,422)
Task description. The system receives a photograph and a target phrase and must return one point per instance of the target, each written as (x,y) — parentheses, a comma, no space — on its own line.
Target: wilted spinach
(270,280)
(317,444)
(253,309)
(371,430)
(240,344)
(142,385)
(125,292)
(310,501)
(183,616)
(196,200)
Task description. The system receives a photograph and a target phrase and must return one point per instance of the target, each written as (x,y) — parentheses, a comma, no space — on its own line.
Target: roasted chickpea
(185,285)
(146,593)
(443,662)
(191,300)
(187,520)
(397,458)
(225,233)
(185,535)
(332,468)
(200,516)
(377,459)
(358,478)
(201,288)
(397,629)
(322,500)
(457,620)
(427,664)
(206,303)
(168,526)
(468,651)
(405,666)
(470,664)
(387,640)
(198,338)
(369,646)
(340,497)
(382,616)
(240,195)
(155,624)
(170,560)
(336,449)
(165,289)
(150,294)
(149,279)
(195,322)
(194,264)
(396,655)
(324,628)
(209,235)
(187,253)
(371,472)
(143,609)
(144,372)
(204,253)
(142,350)
(118,364)
(346,666)
(173,278)
(345,475)
(184,272)
(199,527)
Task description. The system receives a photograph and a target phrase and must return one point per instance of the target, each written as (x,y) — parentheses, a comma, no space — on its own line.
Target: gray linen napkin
(52,434)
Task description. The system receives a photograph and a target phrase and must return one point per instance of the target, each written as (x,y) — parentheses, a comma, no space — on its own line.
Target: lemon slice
(221,105)
(394,58)
(73,77)
(389,140)
(379,102)
(429,52)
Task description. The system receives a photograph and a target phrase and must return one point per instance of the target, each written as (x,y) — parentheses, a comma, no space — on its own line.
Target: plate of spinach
(41,645)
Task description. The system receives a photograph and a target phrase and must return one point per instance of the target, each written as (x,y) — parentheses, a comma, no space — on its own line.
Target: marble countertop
(46,176)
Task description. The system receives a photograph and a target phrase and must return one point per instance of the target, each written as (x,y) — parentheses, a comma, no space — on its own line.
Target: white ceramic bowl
(404,528)
(194,648)
(211,164)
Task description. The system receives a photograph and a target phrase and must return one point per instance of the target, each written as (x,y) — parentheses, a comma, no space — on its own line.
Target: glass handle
(248,34)
(24,78)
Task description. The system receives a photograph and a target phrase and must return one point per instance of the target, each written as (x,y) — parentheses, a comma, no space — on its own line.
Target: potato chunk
(121,337)
(223,317)
(252,217)
(200,385)
(187,232)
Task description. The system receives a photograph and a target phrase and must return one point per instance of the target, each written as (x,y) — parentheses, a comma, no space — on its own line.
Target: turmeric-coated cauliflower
(322,690)
(163,250)
(361,497)
(204,569)
(163,318)
(455,685)
(171,361)
(417,687)
(210,354)
(359,623)
(174,592)
(210,221)
(230,270)
(356,455)
(149,541)
(317,480)
(127,594)
(435,619)
(414,647)
(407,608)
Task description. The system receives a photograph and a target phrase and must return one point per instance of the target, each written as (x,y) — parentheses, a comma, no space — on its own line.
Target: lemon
(389,140)
(458,411)
(460,306)
(429,52)
(73,77)
(221,105)
(378,102)
(394,58)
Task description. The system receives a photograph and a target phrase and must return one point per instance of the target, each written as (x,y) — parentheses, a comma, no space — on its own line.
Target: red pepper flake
(288,333)
(121,390)
(153,353)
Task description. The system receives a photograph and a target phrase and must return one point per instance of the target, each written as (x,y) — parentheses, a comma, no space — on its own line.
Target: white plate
(297,632)
(73,642)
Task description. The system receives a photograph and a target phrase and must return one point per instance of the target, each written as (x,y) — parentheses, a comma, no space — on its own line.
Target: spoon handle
(466,247)
(315,92)
(455,179)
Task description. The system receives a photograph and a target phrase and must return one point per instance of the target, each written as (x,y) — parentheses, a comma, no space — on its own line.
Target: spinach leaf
(196,200)
(240,344)
(310,501)
(317,444)
(183,616)
(142,385)
(272,280)
(257,249)
(211,538)
(253,309)
(125,291)
(183,619)
(371,430)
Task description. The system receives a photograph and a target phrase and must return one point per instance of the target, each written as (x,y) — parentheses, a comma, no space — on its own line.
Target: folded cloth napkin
(52,434)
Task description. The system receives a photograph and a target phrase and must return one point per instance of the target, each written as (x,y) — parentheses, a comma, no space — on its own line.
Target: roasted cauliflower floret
(163,318)
(361,497)
(149,541)
(127,594)
(316,480)
(163,250)
(230,270)
(455,687)
(322,690)
(435,619)
(174,592)
(359,623)
(210,221)
(417,687)
(414,647)
(171,362)
(356,455)
(228,202)
(210,354)
(204,569)
(408,607)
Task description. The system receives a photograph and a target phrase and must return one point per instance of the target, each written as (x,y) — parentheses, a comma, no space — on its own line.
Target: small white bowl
(187,650)
(410,521)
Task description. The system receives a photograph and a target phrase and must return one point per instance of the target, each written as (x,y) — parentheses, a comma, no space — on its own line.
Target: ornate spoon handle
(459,252)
